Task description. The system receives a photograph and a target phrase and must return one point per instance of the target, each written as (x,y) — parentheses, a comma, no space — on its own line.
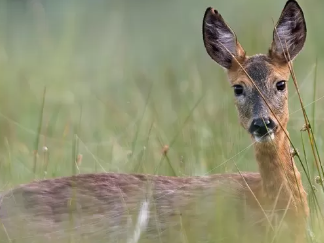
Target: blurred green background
(114,81)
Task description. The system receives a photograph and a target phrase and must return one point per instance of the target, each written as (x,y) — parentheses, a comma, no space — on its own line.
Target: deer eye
(281,85)
(238,90)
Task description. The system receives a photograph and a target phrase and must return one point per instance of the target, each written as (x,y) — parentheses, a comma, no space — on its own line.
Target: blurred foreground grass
(122,79)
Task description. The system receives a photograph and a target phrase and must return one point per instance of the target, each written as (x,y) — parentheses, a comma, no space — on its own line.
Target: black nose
(260,126)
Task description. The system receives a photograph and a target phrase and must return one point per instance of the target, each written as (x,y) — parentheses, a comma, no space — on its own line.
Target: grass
(113,82)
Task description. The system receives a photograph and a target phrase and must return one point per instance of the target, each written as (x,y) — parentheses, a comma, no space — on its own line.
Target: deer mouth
(267,137)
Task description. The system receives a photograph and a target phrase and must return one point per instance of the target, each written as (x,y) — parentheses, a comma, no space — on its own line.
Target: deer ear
(289,34)
(220,41)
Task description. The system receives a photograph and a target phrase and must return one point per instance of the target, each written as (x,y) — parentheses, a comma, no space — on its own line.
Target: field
(114,84)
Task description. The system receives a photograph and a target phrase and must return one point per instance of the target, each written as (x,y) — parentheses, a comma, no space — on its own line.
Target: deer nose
(261,126)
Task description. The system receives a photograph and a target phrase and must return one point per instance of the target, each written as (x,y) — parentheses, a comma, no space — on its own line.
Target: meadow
(127,86)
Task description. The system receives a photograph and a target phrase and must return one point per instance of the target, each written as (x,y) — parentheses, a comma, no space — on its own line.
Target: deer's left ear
(220,41)
(289,34)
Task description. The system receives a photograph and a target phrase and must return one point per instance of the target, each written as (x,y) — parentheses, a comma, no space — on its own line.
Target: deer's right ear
(289,35)
(220,41)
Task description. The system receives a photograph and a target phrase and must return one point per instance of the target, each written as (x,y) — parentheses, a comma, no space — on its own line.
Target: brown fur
(258,75)
(98,206)
(104,207)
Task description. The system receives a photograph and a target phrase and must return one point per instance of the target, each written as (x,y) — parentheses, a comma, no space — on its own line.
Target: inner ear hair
(289,34)
(219,40)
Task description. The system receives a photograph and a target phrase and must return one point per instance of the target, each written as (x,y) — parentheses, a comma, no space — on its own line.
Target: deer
(117,207)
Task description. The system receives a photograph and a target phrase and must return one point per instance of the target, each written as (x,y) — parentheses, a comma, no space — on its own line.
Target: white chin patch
(266,138)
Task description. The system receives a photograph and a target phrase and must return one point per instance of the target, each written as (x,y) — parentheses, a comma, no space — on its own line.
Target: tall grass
(124,79)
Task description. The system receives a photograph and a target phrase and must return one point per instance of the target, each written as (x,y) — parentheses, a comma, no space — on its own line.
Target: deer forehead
(261,69)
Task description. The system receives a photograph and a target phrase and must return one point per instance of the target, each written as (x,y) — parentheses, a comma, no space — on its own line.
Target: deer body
(115,207)
(103,205)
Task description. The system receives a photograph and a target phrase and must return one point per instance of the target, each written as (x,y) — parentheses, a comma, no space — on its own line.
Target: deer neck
(280,176)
